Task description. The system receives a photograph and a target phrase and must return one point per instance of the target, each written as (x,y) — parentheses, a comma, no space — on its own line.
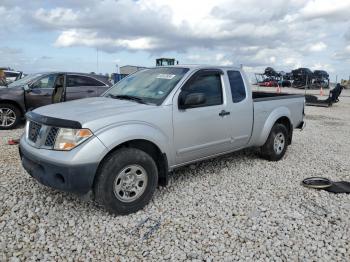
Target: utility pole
(336,79)
(97,69)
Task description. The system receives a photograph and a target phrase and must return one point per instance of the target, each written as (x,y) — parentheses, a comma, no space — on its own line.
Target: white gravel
(237,207)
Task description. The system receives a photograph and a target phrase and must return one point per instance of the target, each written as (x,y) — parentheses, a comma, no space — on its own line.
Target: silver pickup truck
(118,147)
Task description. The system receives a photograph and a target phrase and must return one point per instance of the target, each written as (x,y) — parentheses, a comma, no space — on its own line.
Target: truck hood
(92,109)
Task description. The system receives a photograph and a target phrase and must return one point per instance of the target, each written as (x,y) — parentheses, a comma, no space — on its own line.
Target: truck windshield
(148,86)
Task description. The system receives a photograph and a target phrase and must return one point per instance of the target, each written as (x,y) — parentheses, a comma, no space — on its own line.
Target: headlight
(67,138)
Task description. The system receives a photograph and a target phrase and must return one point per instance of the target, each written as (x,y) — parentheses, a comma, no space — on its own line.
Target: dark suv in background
(42,89)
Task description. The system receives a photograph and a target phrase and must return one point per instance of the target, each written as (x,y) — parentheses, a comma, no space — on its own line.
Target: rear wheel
(126,181)
(276,144)
(10,116)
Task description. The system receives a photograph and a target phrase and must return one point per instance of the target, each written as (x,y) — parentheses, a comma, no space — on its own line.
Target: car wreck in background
(321,78)
(299,78)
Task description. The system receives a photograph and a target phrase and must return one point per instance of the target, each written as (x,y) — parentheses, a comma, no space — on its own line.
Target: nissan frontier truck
(117,148)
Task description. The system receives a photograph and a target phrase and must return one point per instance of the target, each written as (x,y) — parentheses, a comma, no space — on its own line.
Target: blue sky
(284,34)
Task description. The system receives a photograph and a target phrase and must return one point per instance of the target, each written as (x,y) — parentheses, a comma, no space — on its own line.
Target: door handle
(90,91)
(224,113)
(47,94)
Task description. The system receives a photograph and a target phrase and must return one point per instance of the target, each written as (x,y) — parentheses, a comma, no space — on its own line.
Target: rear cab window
(238,91)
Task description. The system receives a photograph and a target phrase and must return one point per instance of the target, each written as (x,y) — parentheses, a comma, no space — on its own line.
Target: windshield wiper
(128,97)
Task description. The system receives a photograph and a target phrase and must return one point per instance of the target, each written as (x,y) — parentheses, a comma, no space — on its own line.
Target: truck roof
(196,66)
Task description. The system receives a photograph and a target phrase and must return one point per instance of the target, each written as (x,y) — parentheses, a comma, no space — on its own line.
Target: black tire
(16,112)
(271,152)
(110,172)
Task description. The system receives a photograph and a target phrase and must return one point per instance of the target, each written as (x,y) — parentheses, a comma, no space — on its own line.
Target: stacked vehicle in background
(321,78)
(299,78)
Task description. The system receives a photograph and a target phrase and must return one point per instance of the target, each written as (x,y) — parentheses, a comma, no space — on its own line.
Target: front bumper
(64,172)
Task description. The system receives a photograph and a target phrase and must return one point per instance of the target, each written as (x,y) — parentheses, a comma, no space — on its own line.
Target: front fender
(13,96)
(123,132)
(270,121)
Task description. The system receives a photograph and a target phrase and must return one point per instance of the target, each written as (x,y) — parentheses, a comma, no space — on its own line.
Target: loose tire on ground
(10,116)
(114,179)
(276,144)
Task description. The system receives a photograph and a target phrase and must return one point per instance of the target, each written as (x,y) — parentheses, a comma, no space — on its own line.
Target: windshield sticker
(166,76)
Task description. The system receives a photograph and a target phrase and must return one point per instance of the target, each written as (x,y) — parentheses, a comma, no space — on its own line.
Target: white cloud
(323,66)
(218,58)
(280,33)
(90,39)
(325,9)
(57,17)
(317,47)
(292,62)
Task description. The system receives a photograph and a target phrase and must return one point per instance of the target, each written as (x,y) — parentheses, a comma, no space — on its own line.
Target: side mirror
(191,100)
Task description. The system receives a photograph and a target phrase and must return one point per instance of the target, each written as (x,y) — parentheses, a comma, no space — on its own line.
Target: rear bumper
(70,177)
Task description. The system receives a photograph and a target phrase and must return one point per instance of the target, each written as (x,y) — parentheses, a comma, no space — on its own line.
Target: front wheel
(276,144)
(126,181)
(10,116)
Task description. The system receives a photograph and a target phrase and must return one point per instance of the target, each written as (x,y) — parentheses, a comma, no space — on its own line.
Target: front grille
(51,137)
(33,132)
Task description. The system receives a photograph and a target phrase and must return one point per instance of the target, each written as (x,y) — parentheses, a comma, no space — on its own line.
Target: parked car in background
(121,145)
(12,76)
(42,89)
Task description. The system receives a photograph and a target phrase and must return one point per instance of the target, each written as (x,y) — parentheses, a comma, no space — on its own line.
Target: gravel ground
(236,207)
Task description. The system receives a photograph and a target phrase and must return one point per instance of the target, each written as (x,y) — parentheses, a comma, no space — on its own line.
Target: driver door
(40,92)
(203,130)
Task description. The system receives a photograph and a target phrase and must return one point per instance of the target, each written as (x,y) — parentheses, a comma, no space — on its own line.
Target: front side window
(237,86)
(76,80)
(209,84)
(149,85)
(45,82)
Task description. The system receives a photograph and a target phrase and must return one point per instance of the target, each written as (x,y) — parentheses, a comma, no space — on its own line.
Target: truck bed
(268,105)
(259,96)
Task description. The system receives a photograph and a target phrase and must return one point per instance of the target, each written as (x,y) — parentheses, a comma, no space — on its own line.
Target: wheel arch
(288,124)
(150,148)
(279,115)
(14,103)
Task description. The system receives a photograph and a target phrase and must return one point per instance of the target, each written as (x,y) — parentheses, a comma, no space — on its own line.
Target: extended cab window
(76,80)
(237,86)
(209,84)
(45,82)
